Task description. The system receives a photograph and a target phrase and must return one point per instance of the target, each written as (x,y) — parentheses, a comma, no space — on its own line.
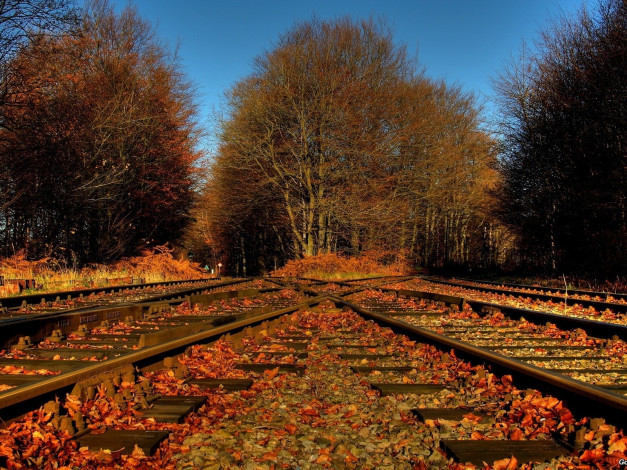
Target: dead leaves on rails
(328,418)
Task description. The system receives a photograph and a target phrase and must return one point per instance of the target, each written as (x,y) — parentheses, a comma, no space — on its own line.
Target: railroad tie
(173,409)
(296,345)
(367,356)
(271,354)
(261,367)
(365,370)
(448,414)
(479,451)
(230,385)
(15,380)
(123,441)
(386,388)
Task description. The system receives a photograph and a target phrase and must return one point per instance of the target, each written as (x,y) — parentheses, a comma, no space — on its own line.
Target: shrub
(335,266)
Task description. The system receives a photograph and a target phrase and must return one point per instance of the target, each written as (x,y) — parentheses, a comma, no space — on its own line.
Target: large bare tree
(338,142)
(315,113)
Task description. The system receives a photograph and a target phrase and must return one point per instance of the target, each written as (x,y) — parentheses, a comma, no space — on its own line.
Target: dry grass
(152,266)
(331,266)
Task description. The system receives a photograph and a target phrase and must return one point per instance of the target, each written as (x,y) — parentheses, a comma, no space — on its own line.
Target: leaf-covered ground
(328,417)
(516,338)
(556,307)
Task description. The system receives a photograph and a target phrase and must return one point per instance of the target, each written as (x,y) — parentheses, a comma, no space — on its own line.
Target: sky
(464,42)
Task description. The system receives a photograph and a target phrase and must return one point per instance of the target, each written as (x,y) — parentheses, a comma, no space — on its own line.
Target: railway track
(36,324)
(519,342)
(552,290)
(46,302)
(566,297)
(568,316)
(309,376)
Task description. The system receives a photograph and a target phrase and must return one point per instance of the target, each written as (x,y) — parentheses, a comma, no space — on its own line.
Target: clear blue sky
(465,42)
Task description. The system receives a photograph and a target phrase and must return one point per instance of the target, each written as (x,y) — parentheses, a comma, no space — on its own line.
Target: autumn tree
(105,141)
(338,142)
(564,128)
(239,222)
(313,110)
(22,21)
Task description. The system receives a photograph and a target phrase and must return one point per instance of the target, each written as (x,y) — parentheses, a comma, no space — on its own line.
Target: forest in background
(564,153)
(97,134)
(336,142)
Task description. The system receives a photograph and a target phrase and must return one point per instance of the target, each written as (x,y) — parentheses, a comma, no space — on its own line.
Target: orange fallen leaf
(323,458)
(309,411)
(618,446)
(591,455)
(505,464)
(472,417)
(272,455)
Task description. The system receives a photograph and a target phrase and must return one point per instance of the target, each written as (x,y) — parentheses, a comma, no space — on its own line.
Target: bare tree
(342,144)
(564,159)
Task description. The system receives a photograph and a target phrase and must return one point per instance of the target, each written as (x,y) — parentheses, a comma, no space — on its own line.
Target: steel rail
(16,301)
(597,304)
(616,295)
(594,328)
(604,330)
(26,317)
(40,325)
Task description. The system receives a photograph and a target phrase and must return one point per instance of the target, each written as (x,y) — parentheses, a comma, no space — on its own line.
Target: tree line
(97,133)
(338,142)
(564,157)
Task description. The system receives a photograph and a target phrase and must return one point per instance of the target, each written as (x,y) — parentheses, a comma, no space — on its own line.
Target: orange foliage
(370,263)
(152,266)
(159,260)
(18,267)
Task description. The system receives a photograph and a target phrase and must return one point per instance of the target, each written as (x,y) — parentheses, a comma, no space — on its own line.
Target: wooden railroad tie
(367,356)
(230,385)
(334,338)
(365,370)
(449,414)
(402,389)
(16,380)
(173,409)
(298,346)
(124,441)
(261,367)
(270,354)
(479,451)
